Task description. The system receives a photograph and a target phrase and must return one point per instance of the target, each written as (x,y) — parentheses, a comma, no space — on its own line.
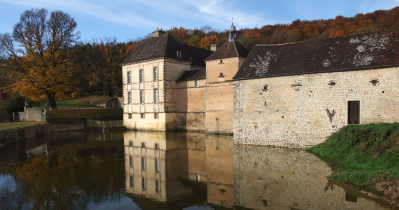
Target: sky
(131,19)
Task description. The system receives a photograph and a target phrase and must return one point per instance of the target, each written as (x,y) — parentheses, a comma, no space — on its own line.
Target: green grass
(364,157)
(79,102)
(14,125)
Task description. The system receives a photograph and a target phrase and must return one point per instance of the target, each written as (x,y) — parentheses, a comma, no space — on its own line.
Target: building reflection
(178,170)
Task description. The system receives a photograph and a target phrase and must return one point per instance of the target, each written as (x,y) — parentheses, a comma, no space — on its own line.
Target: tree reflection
(70,176)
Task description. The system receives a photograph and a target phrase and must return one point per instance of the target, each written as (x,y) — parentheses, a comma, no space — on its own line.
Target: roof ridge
(235,49)
(165,44)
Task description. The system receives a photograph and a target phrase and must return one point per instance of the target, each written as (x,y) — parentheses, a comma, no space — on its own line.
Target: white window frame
(142,98)
(158,186)
(156,73)
(129,77)
(141,75)
(196,83)
(131,181)
(143,163)
(129,97)
(144,184)
(156,98)
(157,165)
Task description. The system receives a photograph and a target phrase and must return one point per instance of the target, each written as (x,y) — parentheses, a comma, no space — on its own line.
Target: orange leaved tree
(39,57)
(207,41)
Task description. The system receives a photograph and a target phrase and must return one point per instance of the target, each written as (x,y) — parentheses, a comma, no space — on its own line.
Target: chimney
(157,33)
(215,47)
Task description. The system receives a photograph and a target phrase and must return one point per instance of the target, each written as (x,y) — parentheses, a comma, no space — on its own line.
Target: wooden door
(353,112)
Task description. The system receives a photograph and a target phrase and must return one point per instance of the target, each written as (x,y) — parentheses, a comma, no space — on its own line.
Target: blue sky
(130,19)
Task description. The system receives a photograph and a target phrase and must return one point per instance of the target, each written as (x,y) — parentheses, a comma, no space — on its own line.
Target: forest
(49,68)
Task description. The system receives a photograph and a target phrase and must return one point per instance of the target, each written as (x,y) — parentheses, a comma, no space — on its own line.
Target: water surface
(149,170)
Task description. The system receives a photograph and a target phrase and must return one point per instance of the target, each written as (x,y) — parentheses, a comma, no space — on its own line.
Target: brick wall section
(279,178)
(293,110)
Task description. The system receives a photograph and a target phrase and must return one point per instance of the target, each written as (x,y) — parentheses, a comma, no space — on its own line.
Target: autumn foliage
(298,30)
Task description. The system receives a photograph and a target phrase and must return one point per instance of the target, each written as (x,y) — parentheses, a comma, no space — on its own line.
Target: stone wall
(34,114)
(21,134)
(279,178)
(191,105)
(102,124)
(303,110)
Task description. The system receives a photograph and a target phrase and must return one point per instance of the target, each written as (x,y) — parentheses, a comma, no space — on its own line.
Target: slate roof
(377,49)
(165,46)
(192,75)
(229,49)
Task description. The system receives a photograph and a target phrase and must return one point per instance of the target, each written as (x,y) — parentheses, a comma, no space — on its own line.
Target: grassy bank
(365,157)
(79,102)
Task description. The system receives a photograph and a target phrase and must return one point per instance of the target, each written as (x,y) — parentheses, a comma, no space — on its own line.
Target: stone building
(172,86)
(293,94)
(149,86)
(297,94)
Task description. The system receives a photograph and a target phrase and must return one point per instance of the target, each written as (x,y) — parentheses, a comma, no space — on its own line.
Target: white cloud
(101,10)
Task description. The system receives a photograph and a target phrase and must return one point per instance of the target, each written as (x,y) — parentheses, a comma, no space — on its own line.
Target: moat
(150,170)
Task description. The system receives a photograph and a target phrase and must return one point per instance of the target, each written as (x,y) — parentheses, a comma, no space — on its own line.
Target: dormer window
(178,53)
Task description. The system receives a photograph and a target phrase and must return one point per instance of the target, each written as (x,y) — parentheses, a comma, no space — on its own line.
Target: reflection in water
(178,170)
(62,173)
(279,178)
(149,170)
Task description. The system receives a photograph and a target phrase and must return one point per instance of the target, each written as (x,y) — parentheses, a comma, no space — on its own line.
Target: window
(156,100)
(130,161)
(156,72)
(143,163)
(130,143)
(157,186)
(130,115)
(142,97)
(353,112)
(157,165)
(144,184)
(178,53)
(196,83)
(143,144)
(198,177)
(156,116)
(142,116)
(129,97)
(129,77)
(156,146)
(141,75)
(131,181)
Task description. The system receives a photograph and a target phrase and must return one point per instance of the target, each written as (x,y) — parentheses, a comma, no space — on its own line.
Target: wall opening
(353,112)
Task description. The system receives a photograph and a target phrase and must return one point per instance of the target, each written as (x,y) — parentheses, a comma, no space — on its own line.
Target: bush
(13,104)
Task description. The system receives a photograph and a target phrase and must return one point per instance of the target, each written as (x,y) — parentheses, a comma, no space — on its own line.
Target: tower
(233,33)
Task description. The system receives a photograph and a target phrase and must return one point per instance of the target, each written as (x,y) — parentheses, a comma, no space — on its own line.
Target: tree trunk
(51,99)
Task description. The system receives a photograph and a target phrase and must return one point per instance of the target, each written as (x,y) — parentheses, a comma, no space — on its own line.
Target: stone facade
(303,110)
(298,94)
